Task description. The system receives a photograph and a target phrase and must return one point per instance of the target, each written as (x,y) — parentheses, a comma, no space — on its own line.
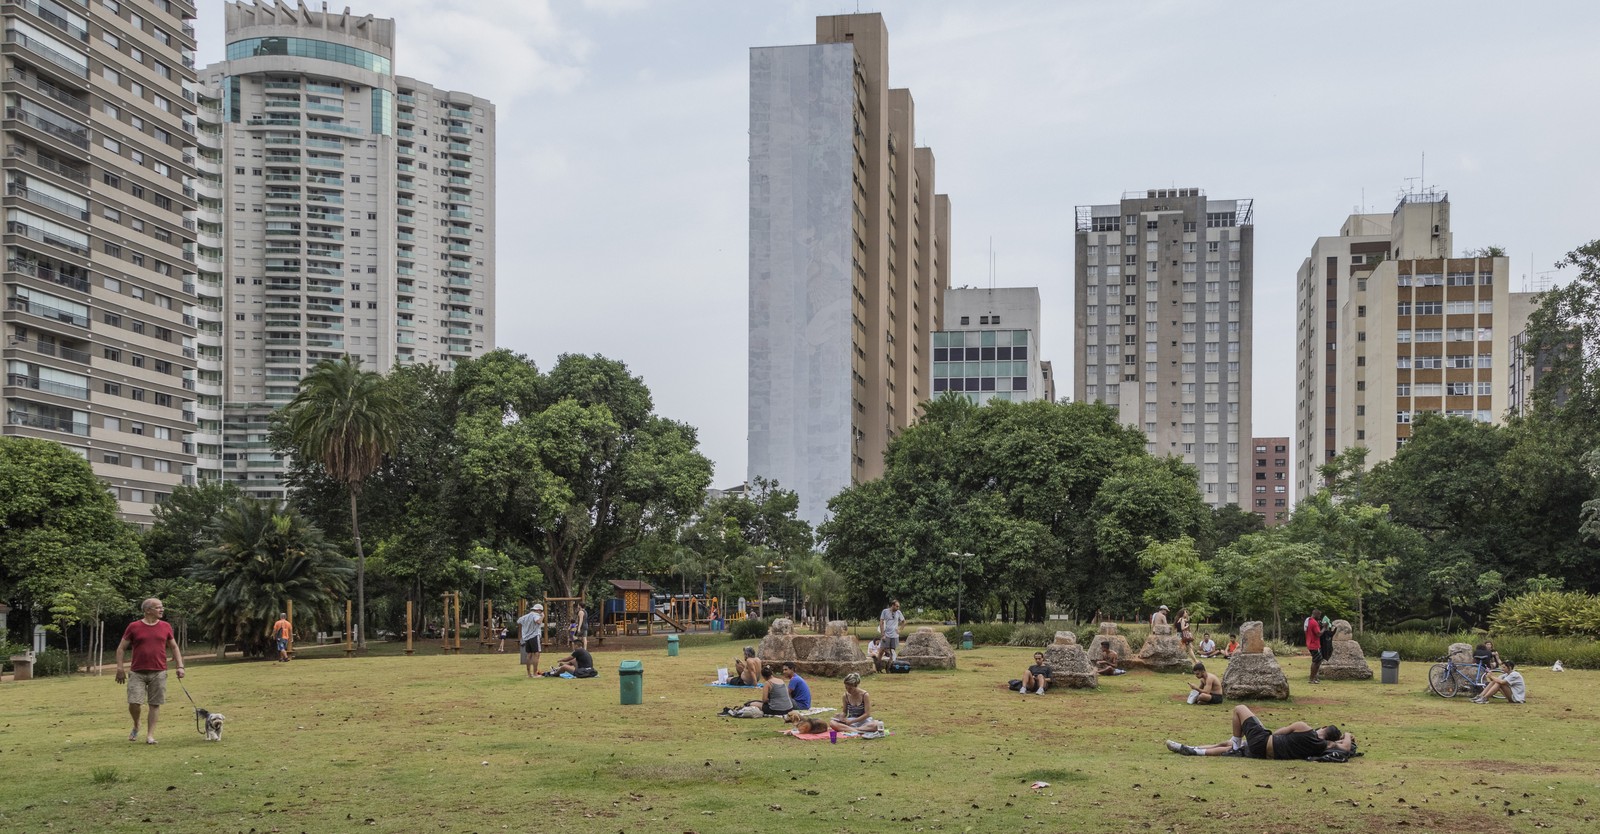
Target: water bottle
(833,736)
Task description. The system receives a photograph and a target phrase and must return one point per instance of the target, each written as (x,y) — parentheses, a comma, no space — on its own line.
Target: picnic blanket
(824,736)
(734,686)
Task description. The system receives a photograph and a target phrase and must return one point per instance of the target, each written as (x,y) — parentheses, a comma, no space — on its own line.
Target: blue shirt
(800,692)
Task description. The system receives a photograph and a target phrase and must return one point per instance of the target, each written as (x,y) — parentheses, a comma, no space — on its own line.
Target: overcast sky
(623,149)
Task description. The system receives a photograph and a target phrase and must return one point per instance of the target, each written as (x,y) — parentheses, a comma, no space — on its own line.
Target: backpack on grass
(899,667)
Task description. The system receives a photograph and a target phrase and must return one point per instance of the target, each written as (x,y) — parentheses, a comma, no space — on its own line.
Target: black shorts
(768,710)
(1215,699)
(533,645)
(1255,738)
(585,672)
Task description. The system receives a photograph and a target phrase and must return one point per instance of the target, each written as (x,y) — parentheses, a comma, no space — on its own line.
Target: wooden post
(289,608)
(444,623)
(484,638)
(408,628)
(349,629)
(457,597)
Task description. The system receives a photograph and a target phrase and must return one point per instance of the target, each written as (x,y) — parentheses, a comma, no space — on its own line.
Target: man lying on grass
(1251,739)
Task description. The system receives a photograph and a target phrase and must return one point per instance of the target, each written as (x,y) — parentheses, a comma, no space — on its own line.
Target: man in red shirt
(149,638)
(1314,643)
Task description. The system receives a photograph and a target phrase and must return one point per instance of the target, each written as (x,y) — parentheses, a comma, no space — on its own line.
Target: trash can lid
(631,666)
(1389,656)
(672,638)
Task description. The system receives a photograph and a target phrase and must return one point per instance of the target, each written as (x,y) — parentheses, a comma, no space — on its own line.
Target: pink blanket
(822,736)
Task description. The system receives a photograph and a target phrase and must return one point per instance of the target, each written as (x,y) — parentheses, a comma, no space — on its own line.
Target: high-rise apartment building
(848,260)
(989,349)
(1163,325)
(99,279)
(1269,479)
(355,215)
(1390,327)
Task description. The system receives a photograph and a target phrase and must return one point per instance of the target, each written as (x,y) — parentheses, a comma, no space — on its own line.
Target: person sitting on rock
(1232,649)
(1207,689)
(747,669)
(1108,660)
(1253,740)
(799,690)
(880,653)
(1037,678)
(1509,684)
(1158,618)
(858,707)
(1208,646)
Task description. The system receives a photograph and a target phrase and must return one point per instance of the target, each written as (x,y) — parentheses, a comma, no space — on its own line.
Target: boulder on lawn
(927,649)
(1069,664)
(831,655)
(1252,637)
(1348,662)
(1254,674)
(1163,652)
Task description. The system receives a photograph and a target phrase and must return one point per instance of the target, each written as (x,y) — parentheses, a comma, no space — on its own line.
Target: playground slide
(674,624)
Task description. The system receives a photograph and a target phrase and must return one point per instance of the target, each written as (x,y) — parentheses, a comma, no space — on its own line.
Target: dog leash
(200,713)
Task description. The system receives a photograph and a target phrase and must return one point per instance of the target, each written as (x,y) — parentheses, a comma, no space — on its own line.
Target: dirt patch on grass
(1317,702)
(1508,767)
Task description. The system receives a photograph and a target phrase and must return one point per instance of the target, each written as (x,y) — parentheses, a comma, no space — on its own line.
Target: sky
(623,150)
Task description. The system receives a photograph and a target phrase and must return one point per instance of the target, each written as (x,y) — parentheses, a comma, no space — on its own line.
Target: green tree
(1229,523)
(181,528)
(573,466)
(1564,335)
(263,557)
(59,529)
(1263,573)
(344,419)
(1360,543)
(1179,579)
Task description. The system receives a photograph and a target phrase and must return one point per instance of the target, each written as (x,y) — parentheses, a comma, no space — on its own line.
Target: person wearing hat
(532,625)
(1158,618)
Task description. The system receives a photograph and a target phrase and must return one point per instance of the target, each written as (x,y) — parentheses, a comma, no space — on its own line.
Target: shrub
(106,776)
(1434,625)
(1039,634)
(750,628)
(1532,651)
(704,639)
(1549,614)
(51,663)
(983,634)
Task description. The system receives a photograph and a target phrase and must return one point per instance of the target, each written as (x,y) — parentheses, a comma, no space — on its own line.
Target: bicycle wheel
(1443,680)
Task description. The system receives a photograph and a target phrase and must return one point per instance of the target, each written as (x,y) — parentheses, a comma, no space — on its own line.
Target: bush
(51,663)
(750,628)
(1532,651)
(983,634)
(704,639)
(1549,614)
(1433,626)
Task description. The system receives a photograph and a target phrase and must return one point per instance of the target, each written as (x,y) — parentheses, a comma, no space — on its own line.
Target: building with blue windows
(989,349)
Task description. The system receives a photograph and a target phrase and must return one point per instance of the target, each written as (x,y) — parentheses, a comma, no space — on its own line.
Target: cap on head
(1162,608)
(538,606)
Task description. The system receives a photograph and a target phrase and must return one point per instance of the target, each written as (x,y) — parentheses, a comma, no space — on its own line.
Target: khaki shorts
(147,688)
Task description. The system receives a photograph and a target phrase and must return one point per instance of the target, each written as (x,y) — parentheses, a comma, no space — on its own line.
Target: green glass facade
(982,364)
(308,48)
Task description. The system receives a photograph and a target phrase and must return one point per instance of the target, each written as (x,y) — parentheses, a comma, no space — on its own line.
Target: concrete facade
(99,278)
(1269,479)
(848,261)
(1389,327)
(1162,326)
(990,346)
(355,216)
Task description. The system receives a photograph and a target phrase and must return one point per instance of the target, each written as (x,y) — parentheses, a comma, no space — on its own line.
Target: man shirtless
(1208,687)
(747,669)
(1108,660)
(1252,740)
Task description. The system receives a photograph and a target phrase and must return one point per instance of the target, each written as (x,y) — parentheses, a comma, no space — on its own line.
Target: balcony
(45,273)
(79,176)
(53,349)
(70,64)
(55,93)
(47,311)
(73,134)
(47,422)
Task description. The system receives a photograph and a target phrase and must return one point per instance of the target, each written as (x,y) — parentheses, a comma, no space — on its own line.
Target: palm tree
(345,419)
(261,558)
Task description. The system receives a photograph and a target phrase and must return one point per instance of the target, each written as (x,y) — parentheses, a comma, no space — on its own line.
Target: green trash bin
(672,645)
(630,674)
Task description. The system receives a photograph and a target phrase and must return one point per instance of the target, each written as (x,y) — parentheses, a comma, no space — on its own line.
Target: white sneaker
(1040,692)
(1022,691)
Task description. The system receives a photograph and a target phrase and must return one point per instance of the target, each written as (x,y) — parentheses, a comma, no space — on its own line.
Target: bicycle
(1447,678)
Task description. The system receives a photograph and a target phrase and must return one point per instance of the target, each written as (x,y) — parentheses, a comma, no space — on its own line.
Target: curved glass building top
(308,48)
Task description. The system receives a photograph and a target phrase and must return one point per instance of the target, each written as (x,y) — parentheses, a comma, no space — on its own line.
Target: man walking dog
(150,638)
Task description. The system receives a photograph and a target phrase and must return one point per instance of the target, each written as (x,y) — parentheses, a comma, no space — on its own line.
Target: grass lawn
(467,743)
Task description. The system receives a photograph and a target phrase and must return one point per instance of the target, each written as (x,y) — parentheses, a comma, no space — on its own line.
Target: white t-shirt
(1518,690)
(1208,646)
(890,620)
(531,624)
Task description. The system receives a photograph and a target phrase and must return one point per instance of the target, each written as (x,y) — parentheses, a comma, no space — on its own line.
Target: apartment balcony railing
(48,311)
(42,421)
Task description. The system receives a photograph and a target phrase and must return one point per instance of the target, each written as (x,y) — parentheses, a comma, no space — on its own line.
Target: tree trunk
(361,573)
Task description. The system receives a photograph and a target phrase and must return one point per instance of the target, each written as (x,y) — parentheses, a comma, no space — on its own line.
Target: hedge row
(1573,652)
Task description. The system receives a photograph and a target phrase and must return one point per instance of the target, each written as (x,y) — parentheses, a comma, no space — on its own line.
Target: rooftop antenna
(991,262)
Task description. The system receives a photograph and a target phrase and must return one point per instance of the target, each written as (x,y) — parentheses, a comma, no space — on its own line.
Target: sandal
(149,741)
(134,736)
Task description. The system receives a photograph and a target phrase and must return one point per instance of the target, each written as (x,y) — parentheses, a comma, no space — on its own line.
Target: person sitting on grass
(1509,684)
(1208,689)
(1208,647)
(799,690)
(858,707)
(774,698)
(1253,740)
(747,669)
(1108,660)
(579,664)
(1232,649)
(1037,678)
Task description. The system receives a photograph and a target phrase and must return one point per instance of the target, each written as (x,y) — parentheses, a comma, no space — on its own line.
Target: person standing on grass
(583,626)
(1314,644)
(150,638)
(281,632)
(532,632)
(889,622)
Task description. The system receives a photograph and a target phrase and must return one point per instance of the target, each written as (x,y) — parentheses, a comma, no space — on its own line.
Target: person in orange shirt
(281,630)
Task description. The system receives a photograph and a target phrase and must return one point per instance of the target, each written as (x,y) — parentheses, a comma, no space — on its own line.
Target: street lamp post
(961,578)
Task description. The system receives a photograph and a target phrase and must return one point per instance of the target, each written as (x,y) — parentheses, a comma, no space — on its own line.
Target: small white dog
(1558,667)
(213,725)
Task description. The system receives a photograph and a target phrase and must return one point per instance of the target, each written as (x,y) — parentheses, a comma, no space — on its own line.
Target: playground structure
(633,609)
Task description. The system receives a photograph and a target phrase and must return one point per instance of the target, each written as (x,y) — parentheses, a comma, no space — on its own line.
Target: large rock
(1252,637)
(1163,652)
(1348,662)
(1461,653)
(927,649)
(1069,664)
(830,655)
(1254,676)
(1108,634)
